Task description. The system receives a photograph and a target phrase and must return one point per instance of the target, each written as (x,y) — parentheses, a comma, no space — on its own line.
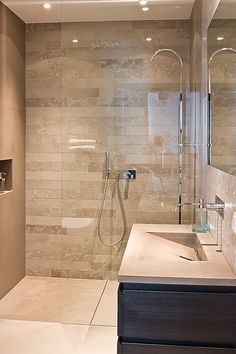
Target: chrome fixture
(201,213)
(209,132)
(202,204)
(2,182)
(127,174)
(107,165)
(231,50)
(180,135)
(179,58)
(117,175)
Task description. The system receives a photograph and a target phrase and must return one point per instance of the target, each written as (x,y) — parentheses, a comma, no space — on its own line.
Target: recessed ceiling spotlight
(75,40)
(143,2)
(47,6)
(148,39)
(220,38)
(145,8)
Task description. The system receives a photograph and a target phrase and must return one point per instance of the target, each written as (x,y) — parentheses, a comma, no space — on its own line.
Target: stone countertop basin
(173,254)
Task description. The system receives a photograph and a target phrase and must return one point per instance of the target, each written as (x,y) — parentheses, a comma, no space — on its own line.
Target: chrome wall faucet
(202,204)
(201,213)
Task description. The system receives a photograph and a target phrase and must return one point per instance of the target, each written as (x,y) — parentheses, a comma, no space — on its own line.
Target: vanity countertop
(142,264)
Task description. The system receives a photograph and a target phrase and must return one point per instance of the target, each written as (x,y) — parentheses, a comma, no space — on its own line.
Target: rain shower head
(230,50)
(180,135)
(167,50)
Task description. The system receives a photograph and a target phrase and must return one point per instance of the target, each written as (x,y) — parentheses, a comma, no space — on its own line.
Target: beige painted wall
(12,146)
(209,180)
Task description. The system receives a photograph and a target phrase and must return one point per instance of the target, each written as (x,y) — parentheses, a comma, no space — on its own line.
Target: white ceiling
(99,10)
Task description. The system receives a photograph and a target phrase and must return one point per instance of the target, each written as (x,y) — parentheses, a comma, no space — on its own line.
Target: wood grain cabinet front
(200,319)
(139,348)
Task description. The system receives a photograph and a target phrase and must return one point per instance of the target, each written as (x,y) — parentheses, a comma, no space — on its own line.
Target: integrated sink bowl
(173,247)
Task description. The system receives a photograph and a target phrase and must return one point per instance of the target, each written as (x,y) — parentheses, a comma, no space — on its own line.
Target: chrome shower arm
(218,51)
(180,128)
(179,59)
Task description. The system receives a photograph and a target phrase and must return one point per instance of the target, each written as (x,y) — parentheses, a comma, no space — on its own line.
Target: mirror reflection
(222,88)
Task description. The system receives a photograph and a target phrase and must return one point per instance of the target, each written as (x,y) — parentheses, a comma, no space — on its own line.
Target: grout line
(103,325)
(98,302)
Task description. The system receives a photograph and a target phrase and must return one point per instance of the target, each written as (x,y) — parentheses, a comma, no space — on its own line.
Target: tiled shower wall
(83,99)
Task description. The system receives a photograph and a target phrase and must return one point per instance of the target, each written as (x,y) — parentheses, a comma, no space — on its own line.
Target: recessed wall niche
(6,173)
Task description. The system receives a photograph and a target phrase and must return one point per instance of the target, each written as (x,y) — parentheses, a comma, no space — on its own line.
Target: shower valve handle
(127,174)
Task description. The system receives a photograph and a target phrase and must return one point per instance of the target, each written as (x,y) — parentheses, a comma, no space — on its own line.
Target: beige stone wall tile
(43,175)
(43,220)
(102,89)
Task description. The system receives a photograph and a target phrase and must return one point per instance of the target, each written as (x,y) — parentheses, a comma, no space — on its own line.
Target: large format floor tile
(24,337)
(76,335)
(106,313)
(100,340)
(53,299)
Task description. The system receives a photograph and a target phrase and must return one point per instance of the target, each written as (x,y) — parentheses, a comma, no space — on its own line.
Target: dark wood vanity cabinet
(176,319)
(139,348)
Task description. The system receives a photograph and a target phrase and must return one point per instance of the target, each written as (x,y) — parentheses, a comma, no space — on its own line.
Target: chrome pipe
(209,121)
(180,135)
(231,50)
(107,165)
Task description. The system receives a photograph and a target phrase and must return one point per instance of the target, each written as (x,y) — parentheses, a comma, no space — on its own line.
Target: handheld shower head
(107,164)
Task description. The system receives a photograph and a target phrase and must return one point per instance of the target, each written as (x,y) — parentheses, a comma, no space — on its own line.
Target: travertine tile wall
(104,92)
(211,181)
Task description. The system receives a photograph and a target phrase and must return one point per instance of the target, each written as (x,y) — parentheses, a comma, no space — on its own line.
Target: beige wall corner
(12,146)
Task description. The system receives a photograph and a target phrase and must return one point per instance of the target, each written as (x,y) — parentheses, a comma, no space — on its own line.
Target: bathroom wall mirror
(222,88)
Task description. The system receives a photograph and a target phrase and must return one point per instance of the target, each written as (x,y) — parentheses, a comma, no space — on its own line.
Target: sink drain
(187,259)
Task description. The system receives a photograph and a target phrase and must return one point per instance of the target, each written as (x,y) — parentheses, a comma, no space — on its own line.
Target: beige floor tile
(53,300)
(76,335)
(106,314)
(100,340)
(25,337)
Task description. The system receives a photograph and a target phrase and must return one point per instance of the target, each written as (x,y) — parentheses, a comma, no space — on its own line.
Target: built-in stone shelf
(6,192)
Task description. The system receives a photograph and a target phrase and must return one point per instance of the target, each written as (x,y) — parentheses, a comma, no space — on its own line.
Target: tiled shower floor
(63,316)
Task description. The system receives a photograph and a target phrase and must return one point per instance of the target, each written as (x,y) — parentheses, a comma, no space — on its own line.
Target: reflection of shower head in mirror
(209,133)
(232,50)
(218,51)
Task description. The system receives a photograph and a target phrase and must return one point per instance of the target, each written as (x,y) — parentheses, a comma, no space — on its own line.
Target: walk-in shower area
(96,99)
(117,186)
(104,113)
(43,315)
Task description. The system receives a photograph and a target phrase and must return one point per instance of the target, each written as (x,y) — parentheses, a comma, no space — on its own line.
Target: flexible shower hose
(121,208)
